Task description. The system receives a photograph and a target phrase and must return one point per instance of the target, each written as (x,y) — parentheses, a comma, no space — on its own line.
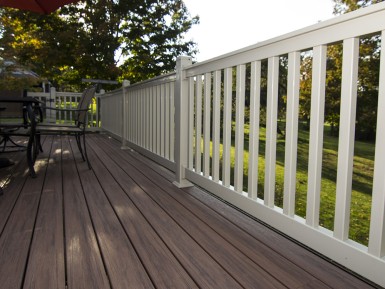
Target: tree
(105,39)
(345,6)
(152,42)
(305,88)
(333,87)
(368,77)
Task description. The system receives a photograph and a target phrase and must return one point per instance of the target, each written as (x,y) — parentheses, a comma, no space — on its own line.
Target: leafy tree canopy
(102,39)
(368,79)
(344,6)
(368,76)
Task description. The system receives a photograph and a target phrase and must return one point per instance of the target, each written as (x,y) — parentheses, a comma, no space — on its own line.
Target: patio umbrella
(39,6)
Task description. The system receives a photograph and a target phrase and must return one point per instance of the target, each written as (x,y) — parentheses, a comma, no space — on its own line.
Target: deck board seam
(76,156)
(191,236)
(91,157)
(150,224)
(43,176)
(161,208)
(139,157)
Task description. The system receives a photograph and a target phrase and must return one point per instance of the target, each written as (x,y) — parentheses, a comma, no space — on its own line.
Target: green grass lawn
(361,188)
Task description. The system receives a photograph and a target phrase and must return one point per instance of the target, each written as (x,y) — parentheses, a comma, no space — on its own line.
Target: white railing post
(346,138)
(126,83)
(317,115)
(101,93)
(377,220)
(182,111)
(51,102)
(271,130)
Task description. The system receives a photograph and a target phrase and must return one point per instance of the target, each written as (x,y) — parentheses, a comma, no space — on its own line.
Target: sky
(228,25)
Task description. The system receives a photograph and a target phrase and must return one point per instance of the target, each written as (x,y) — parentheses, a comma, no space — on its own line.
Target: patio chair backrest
(81,115)
(76,116)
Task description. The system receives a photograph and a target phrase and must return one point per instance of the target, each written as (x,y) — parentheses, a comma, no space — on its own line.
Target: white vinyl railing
(193,122)
(111,107)
(65,100)
(147,117)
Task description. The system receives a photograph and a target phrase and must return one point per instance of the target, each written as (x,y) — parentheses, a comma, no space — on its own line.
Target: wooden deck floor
(124,225)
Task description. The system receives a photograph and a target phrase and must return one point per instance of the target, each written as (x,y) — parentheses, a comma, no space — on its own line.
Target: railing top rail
(38,94)
(111,93)
(155,81)
(166,78)
(63,93)
(360,22)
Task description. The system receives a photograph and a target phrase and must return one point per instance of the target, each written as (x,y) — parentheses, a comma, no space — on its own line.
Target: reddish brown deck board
(229,256)
(45,267)
(85,267)
(162,266)
(327,273)
(12,184)
(189,253)
(16,237)
(122,264)
(124,225)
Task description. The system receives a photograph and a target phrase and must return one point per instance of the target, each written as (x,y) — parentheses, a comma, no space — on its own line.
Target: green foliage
(333,87)
(132,39)
(368,80)
(345,6)
(152,42)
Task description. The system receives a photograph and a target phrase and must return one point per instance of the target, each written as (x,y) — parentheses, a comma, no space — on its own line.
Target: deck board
(45,267)
(85,268)
(17,234)
(123,265)
(208,237)
(193,258)
(328,274)
(163,268)
(124,225)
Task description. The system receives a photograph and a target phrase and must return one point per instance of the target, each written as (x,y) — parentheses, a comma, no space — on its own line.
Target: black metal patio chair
(77,129)
(13,121)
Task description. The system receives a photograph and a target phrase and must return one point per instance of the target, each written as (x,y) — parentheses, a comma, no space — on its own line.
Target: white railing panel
(205,127)
(377,221)
(271,130)
(162,119)
(228,82)
(159,120)
(172,123)
(149,120)
(346,137)
(153,126)
(167,123)
(291,133)
(255,99)
(239,127)
(206,124)
(112,110)
(65,100)
(198,125)
(191,83)
(216,127)
(347,30)
(316,136)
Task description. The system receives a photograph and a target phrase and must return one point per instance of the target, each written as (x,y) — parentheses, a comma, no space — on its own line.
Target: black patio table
(29,104)
(4,162)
